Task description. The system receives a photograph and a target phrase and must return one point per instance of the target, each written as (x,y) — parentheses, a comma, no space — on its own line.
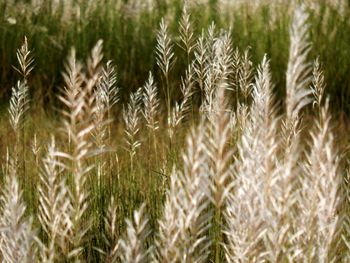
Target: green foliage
(129,33)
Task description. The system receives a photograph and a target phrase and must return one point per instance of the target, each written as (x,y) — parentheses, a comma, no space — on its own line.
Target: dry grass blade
(223,57)
(94,68)
(210,41)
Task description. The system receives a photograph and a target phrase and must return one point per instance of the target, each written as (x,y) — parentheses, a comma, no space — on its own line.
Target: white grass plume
(248,205)
(245,74)
(131,119)
(223,56)
(218,71)
(186,32)
(318,84)
(181,110)
(133,245)
(220,154)
(78,98)
(54,205)
(25,60)
(108,91)
(151,103)
(220,163)
(111,236)
(170,225)
(165,58)
(346,220)
(200,66)
(298,69)
(320,193)
(164,49)
(18,105)
(184,225)
(16,234)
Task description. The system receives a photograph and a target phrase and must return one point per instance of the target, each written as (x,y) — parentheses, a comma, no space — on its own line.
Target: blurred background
(128,29)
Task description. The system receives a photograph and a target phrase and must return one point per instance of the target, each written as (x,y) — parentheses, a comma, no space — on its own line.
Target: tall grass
(128,30)
(193,159)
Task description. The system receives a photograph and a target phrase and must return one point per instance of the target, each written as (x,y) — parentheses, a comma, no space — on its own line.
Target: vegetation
(171,131)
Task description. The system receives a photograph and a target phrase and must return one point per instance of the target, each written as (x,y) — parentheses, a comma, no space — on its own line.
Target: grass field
(174,131)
